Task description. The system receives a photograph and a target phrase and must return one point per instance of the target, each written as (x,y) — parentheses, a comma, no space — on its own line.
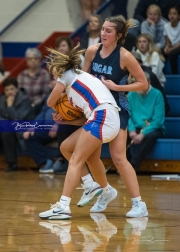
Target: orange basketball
(65,108)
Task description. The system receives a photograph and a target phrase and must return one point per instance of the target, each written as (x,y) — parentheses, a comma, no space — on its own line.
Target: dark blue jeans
(136,153)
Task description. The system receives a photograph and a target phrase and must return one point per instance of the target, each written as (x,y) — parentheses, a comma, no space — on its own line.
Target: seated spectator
(153,80)
(92,37)
(1,63)
(64,45)
(172,35)
(14,105)
(34,79)
(89,7)
(141,9)
(151,56)
(154,25)
(36,142)
(146,123)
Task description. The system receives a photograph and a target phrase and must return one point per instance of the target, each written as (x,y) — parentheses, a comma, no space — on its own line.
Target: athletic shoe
(56,213)
(104,200)
(60,167)
(105,227)
(138,224)
(90,194)
(138,210)
(48,167)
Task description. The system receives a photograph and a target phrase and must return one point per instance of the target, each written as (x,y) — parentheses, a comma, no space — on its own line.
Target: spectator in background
(142,6)
(120,8)
(92,37)
(1,63)
(154,25)
(14,105)
(64,45)
(34,79)
(42,154)
(146,122)
(37,142)
(172,35)
(89,7)
(153,80)
(151,56)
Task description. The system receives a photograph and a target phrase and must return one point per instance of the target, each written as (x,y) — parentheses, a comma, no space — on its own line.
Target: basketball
(64,107)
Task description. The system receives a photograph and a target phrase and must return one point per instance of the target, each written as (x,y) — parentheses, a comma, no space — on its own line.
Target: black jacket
(84,41)
(20,110)
(165,5)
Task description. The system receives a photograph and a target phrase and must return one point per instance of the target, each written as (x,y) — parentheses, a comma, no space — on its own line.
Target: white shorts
(104,123)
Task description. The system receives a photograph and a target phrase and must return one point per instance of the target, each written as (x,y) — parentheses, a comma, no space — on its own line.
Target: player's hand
(109,84)
(58,118)
(138,139)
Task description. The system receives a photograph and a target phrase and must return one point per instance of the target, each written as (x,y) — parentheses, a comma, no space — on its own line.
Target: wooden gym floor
(25,193)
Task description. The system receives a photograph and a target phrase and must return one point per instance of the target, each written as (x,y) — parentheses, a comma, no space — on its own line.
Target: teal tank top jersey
(110,68)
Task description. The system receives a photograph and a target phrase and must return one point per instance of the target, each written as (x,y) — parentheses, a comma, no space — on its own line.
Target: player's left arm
(55,94)
(128,62)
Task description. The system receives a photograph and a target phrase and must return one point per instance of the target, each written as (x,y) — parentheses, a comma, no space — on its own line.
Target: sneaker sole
(92,211)
(90,200)
(60,217)
(56,217)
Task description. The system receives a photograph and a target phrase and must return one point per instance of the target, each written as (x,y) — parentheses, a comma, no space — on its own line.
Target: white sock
(64,201)
(137,199)
(106,189)
(87,181)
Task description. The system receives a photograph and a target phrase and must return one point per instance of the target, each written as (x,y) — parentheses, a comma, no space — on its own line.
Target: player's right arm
(55,94)
(89,56)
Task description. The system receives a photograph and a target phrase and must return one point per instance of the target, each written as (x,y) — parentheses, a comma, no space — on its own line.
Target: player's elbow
(145,85)
(50,102)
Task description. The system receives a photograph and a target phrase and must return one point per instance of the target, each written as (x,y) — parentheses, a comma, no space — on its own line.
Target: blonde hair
(154,7)
(60,63)
(152,47)
(122,26)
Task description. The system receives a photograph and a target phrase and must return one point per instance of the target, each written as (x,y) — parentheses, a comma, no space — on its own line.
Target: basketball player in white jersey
(90,95)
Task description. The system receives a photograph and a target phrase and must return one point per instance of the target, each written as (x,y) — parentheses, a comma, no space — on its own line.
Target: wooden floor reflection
(24,194)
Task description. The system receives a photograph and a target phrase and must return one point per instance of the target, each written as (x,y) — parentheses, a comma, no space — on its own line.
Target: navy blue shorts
(124,117)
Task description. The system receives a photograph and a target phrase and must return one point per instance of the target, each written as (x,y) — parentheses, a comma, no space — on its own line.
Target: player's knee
(118,160)
(64,147)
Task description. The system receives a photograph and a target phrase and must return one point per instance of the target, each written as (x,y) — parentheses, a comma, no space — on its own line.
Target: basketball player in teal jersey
(112,63)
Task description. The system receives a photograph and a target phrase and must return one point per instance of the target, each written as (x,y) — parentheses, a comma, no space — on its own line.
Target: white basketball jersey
(85,91)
